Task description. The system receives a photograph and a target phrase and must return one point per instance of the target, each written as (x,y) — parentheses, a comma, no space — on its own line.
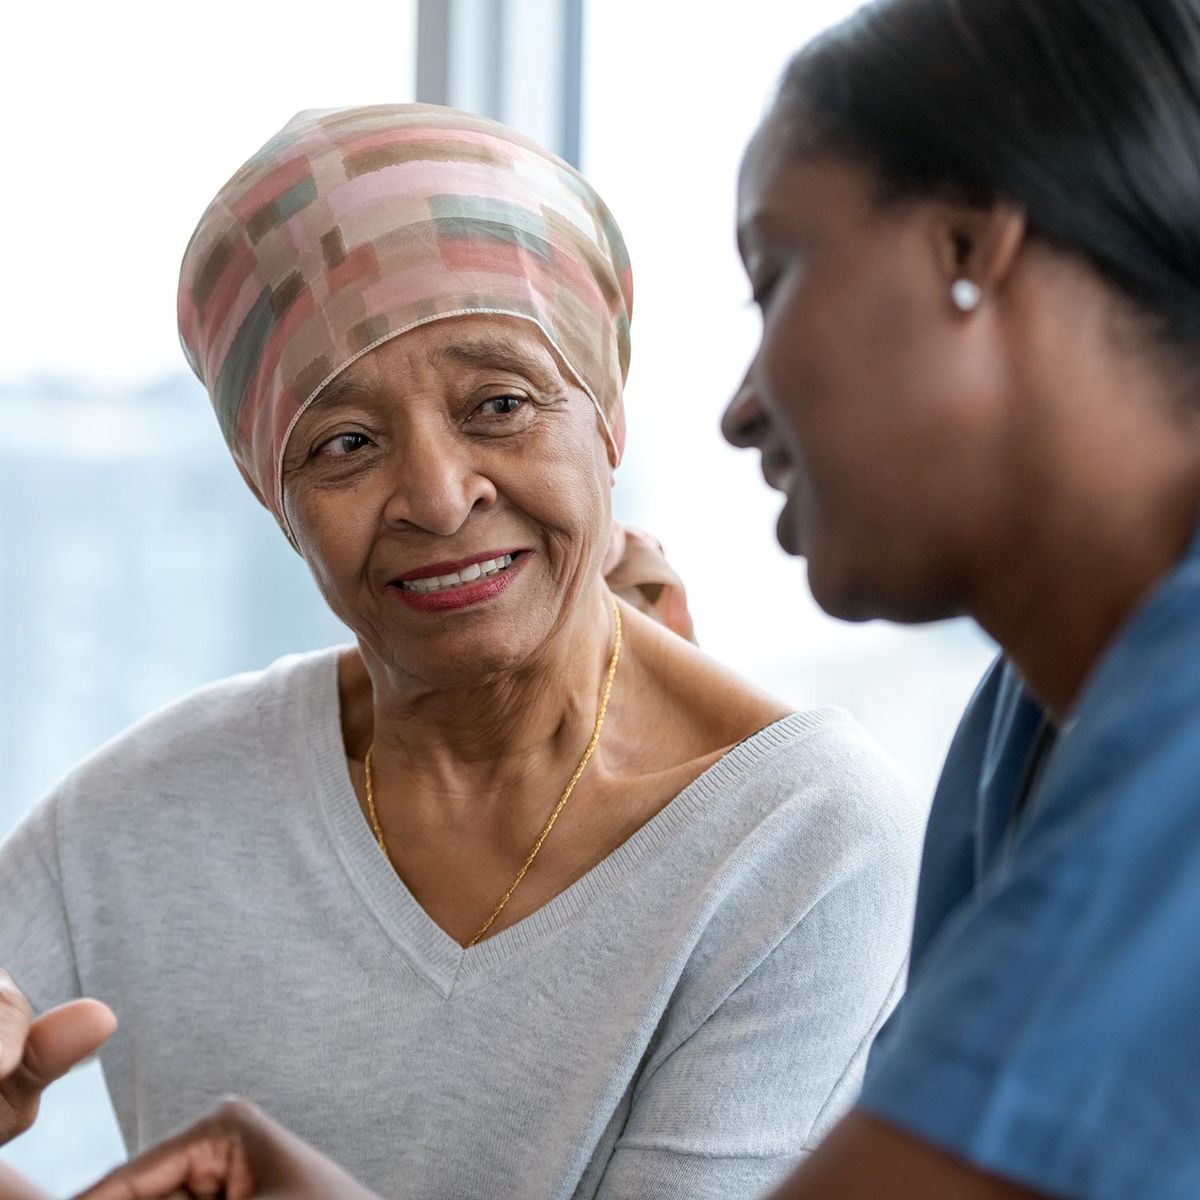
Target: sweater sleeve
(35,937)
(736,1104)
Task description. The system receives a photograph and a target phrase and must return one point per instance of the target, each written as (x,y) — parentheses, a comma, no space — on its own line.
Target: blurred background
(134,564)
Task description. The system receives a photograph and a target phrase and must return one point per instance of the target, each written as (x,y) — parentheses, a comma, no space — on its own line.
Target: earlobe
(980,250)
(977,248)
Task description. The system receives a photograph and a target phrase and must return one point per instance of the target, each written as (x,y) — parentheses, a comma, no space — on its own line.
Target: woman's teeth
(440,583)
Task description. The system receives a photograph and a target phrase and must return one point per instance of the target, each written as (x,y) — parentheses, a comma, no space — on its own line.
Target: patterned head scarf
(352,226)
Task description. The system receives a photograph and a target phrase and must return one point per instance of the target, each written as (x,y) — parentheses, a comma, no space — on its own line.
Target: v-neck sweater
(684,1020)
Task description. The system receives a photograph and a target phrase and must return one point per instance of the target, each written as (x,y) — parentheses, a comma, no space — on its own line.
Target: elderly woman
(1001,198)
(521,896)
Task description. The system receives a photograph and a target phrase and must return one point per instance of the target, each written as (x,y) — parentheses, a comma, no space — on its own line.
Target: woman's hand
(236,1153)
(34,1053)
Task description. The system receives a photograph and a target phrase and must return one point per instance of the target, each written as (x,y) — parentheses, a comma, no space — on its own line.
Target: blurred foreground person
(973,227)
(520,895)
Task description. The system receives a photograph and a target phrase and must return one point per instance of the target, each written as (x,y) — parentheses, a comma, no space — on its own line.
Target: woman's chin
(853,587)
(837,576)
(473,656)
(836,580)
(844,603)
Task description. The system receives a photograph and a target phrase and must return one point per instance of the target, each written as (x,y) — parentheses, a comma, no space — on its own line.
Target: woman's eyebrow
(502,352)
(341,389)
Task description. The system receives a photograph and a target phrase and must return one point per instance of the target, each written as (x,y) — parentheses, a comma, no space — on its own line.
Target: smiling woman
(474,414)
(519,895)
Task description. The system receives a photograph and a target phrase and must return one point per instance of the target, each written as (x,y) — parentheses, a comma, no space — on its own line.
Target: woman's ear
(978,245)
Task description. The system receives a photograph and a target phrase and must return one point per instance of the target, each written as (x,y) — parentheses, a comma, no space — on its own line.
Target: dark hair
(1085,113)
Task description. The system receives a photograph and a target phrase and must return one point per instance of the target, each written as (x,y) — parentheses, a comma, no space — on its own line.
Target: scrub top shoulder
(1049,1029)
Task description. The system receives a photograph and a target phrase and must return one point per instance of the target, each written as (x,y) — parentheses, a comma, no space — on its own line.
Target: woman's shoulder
(708,708)
(826,789)
(800,848)
(227,719)
(816,772)
(699,706)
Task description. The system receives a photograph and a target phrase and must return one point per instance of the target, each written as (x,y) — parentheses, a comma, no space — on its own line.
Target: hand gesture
(237,1153)
(34,1053)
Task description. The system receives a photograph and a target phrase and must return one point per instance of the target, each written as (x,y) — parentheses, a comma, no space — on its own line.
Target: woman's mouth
(455,579)
(777,470)
(473,583)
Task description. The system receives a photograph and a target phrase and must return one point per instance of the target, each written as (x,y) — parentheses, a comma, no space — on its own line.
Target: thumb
(64,1036)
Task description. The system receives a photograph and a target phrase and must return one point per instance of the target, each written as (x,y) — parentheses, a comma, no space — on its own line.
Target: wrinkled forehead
(455,348)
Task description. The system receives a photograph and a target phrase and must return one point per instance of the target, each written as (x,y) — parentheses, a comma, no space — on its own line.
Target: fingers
(35,1053)
(49,1047)
(16,1016)
(65,1036)
(237,1153)
(205,1161)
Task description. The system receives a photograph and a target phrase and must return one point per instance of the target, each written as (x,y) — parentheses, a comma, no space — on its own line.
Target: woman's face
(876,405)
(423,469)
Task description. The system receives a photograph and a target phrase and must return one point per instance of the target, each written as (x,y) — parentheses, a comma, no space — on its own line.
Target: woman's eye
(343,445)
(501,406)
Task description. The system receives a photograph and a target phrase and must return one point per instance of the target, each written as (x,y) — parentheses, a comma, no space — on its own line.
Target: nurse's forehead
(771,180)
(789,197)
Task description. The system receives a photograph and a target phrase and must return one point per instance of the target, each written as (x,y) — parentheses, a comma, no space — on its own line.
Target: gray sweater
(684,1021)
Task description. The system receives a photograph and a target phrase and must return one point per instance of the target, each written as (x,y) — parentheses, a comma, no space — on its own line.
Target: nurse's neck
(1111,512)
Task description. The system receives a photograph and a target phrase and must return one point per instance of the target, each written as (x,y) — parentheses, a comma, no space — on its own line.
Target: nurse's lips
(777,470)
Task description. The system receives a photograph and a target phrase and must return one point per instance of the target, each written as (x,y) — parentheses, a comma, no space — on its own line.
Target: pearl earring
(966,295)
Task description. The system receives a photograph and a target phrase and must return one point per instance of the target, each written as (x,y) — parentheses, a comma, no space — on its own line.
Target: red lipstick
(478,591)
(451,567)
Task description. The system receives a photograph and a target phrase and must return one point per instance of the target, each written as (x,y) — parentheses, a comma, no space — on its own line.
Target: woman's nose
(743,423)
(436,488)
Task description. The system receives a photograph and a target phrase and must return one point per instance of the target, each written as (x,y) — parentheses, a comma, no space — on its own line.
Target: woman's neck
(1094,544)
(1056,630)
(483,736)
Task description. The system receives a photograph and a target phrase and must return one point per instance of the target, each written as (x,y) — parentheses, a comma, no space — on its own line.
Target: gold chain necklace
(583,762)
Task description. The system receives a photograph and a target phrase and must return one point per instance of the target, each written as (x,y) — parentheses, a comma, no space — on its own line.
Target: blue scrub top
(1051,1030)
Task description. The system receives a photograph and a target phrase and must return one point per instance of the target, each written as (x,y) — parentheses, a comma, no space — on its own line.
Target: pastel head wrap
(352,226)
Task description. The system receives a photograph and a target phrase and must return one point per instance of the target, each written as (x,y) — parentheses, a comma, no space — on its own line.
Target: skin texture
(459,438)
(1030,464)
